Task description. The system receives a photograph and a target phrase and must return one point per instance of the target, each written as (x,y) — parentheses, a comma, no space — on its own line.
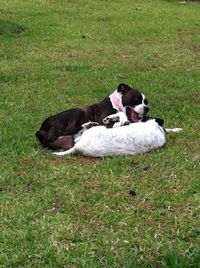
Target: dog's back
(127,140)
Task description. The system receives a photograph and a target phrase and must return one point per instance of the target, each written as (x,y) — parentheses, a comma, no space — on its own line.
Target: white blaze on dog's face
(142,107)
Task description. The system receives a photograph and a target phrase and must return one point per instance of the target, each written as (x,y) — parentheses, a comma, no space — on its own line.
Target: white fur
(127,140)
(174,130)
(140,107)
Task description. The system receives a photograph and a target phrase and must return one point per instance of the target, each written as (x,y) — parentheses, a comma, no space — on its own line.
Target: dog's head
(135,102)
(159,121)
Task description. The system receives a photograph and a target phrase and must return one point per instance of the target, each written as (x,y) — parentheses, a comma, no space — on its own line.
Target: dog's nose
(146,109)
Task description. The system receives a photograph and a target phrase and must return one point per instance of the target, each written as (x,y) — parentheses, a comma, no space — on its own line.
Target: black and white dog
(131,139)
(57,131)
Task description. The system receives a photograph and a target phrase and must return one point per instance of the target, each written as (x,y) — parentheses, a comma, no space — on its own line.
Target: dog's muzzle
(146,110)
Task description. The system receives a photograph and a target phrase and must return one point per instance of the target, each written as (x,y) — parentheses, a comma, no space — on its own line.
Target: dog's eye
(145,102)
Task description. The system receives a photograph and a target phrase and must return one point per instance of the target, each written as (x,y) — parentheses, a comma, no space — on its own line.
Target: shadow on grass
(10,28)
(174,260)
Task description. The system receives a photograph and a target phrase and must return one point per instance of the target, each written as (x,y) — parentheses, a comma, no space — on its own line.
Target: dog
(135,138)
(131,139)
(57,131)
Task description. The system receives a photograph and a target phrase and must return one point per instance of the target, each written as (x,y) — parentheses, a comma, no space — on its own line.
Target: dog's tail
(70,151)
(174,130)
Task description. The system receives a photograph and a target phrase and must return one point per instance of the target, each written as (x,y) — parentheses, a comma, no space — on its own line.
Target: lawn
(141,211)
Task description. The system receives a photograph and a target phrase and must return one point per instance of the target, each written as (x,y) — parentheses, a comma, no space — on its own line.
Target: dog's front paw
(126,123)
(109,120)
(89,125)
(106,120)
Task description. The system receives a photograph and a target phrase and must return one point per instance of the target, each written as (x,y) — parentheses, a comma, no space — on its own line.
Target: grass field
(141,211)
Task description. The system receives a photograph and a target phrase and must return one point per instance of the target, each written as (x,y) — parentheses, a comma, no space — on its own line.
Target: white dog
(135,138)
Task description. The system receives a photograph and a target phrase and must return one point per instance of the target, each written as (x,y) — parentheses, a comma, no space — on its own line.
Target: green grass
(140,211)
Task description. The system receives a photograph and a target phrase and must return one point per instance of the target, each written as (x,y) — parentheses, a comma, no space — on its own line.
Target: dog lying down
(135,138)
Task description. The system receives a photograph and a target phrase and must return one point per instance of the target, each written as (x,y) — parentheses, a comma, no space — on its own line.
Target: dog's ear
(122,88)
(159,121)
